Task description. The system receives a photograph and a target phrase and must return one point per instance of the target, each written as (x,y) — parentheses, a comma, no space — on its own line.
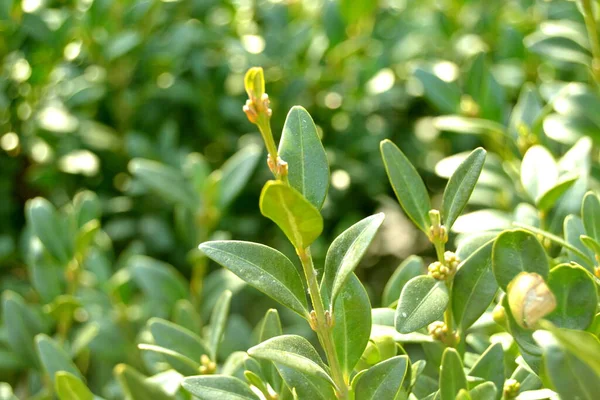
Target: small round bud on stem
(207,366)
(437,231)
(511,388)
(439,331)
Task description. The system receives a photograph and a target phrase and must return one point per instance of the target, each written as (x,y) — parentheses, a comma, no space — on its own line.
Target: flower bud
(254,82)
(511,388)
(529,299)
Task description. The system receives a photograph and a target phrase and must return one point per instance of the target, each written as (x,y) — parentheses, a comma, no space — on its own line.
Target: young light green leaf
(235,173)
(409,268)
(539,172)
(298,219)
(452,375)
(294,352)
(407,184)
(490,367)
(218,320)
(54,358)
(590,214)
(136,387)
(301,148)
(165,181)
(174,337)
(385,380)
(160,281)
(46,225)
(461,185)
(262,267)
(422,301)
(70,387)
(474,287)
(345,253)
(352,324)
(517,251)
(576,297)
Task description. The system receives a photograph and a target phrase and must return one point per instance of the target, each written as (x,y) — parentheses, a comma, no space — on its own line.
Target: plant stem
(440,248)
(590,24)
(322,326)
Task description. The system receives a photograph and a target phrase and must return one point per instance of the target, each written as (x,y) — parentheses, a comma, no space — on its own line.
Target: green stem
(322,325)
(440,248)
(590,24)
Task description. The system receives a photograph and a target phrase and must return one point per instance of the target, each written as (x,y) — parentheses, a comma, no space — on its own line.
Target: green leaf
(485,90)
(384,380)
(165,181)
(262,267)
(422,301)
(301,148)
(443,95)
(548,199)
(461,185)
(270,327)
(590,214)
(87,207)
(352,324)
(24,325)
(485,391)
(306,386)
(576,297)
(517,251)
(171,336)
(574,229)
(581,344)
(407,184)
(345,253)
(473,126)
(539,172)
(298,219)
(490,367)
(474,287)
(48,227)
(236,172)
(525,112)
(528,348)
(70,387)
(452,375)
(160,281)
(54,358)
(590,244)
(218,321)
(294,352)
(409,268)
(180,363)
(136,386)
(570,376)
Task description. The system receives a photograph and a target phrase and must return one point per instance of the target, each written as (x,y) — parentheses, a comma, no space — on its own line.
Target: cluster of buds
(439,331)
(451,260)
(511,388)
(207,367)
(437,231)
(442,271)
(258,102)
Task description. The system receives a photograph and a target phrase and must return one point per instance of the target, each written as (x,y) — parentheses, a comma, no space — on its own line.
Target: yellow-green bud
(207,366)
(511,388)
(439,271)
(451,260)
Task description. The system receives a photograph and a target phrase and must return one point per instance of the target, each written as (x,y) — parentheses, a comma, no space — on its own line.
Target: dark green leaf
(301,148)
(345,253)
(517,251)
(352,324)
(411,267)
(385,380)
(54,358)
(160,281)
(171,336)
(452,376)
(474,287)
(590,214)
(47,226)
(576,297)
(573,228)
(218,320)
(422,301)
(136,386)
(182,364)
(407,184)
(460,186)
(548,199)
(485,391)
(236,172)
(262,267)
(490,367)
(24,325)
(443,95)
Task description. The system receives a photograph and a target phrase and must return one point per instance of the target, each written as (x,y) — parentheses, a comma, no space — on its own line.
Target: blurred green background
(88,85)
